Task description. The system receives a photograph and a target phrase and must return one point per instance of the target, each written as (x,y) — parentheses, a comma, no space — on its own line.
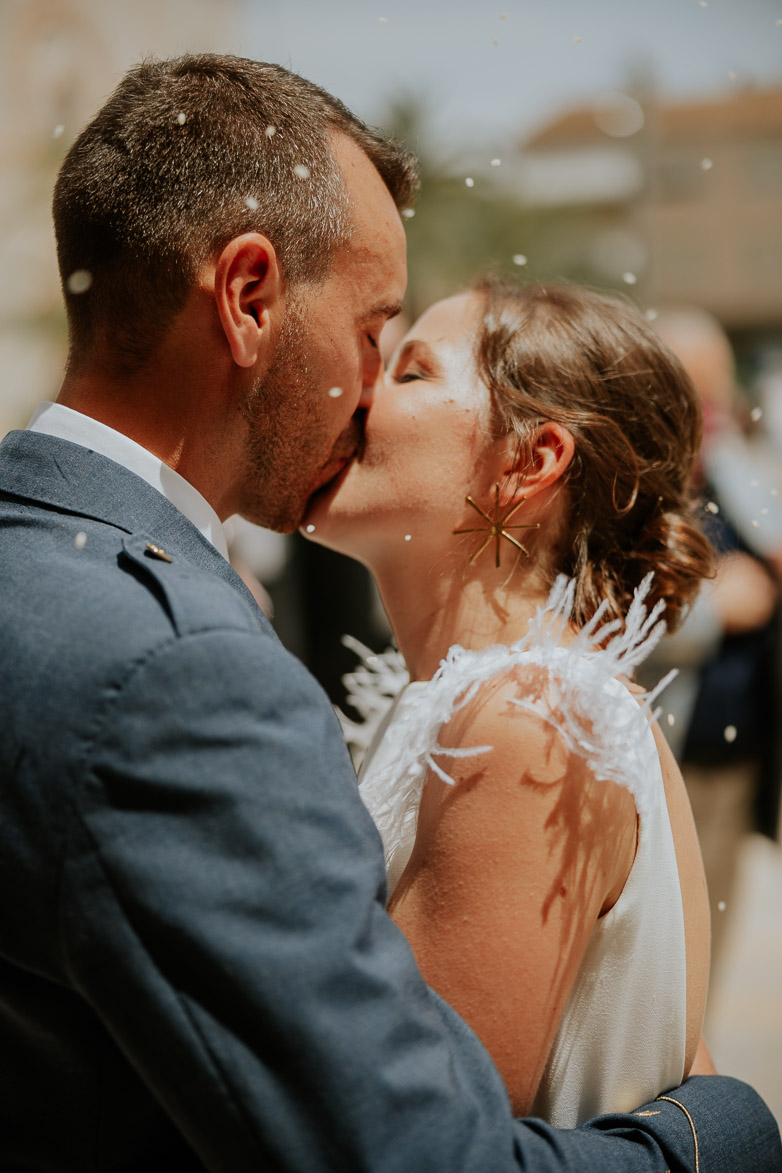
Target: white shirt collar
(53,419)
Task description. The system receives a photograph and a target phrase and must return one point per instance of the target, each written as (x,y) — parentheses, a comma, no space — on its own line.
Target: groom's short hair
(185,155)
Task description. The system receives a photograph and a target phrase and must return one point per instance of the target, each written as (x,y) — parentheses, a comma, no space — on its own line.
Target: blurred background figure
(722,712)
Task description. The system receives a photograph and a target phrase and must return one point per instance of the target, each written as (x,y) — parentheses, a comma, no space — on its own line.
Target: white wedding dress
(621,1040)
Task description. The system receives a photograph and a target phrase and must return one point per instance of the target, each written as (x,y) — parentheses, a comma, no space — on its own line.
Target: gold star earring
(497,527)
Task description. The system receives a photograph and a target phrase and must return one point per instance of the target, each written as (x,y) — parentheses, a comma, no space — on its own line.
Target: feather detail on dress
(371,689)
(578,694)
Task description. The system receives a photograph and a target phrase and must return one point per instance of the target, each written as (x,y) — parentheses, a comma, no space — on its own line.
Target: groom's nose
(372,377)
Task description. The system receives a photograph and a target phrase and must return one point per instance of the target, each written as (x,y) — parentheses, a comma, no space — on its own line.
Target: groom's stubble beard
(282,431)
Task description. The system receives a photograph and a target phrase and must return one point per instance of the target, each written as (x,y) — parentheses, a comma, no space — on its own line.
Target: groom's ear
(540,463)
(248,290)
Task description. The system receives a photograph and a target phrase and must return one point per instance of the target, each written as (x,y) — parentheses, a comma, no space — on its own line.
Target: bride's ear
(545,459)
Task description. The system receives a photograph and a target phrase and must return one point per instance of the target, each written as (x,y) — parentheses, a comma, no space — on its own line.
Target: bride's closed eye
(408,376)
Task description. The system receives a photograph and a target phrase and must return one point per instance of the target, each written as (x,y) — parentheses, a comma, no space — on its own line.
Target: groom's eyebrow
(385,310)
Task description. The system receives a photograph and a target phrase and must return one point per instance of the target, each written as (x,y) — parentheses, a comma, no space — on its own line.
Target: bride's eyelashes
(408,377)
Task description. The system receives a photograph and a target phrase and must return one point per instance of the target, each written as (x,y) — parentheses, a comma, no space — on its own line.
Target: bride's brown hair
(591,363)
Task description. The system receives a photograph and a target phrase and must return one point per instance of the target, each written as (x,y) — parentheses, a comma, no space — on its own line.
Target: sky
(497,71)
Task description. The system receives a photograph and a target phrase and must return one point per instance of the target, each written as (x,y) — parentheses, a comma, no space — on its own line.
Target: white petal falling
(79,281)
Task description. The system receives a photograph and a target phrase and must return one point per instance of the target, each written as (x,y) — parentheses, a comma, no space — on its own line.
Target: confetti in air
(519,259)
(302,170)
(335,392)
(58,131)
(706,164)
(651,315)
(712,507)
(408,213)
(730,732)
(382,20)
(671,720)
(181,118)
(576,40)
(775,492)
(408,537)
(504,16)
(734,77)
(704,3)
(310,529)
(469,182)
(496,162)
(756,414)
(79,281)
(764,512)
(80,541)
(270,131)
(251,204)
(755,523)
(629,278)
(721,906)
(754,483)
(495,40)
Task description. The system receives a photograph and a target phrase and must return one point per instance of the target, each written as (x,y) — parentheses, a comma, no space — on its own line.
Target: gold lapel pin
(158,552)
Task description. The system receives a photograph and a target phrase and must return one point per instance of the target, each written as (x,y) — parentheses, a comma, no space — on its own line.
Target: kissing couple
(198,969)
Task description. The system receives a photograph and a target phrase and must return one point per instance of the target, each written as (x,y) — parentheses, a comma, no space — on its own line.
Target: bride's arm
(702,1064)
(512,865)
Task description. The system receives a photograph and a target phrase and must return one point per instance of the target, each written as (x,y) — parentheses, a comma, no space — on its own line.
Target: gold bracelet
(671,1100)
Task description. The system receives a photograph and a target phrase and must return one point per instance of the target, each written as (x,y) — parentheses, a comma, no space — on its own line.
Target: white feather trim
(579,695)
(371,689)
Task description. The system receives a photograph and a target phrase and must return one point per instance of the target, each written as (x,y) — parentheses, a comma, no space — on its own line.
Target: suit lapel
(59,475)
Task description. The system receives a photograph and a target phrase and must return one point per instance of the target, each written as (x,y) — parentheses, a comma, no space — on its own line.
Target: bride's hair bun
(591,362)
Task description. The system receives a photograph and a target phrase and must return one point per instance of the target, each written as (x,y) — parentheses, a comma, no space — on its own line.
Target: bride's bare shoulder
(514,861)
(532,785)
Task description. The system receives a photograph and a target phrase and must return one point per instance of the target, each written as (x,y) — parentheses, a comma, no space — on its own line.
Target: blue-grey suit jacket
(196,968)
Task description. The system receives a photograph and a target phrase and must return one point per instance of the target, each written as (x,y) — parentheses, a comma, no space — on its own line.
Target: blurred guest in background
(721,709)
